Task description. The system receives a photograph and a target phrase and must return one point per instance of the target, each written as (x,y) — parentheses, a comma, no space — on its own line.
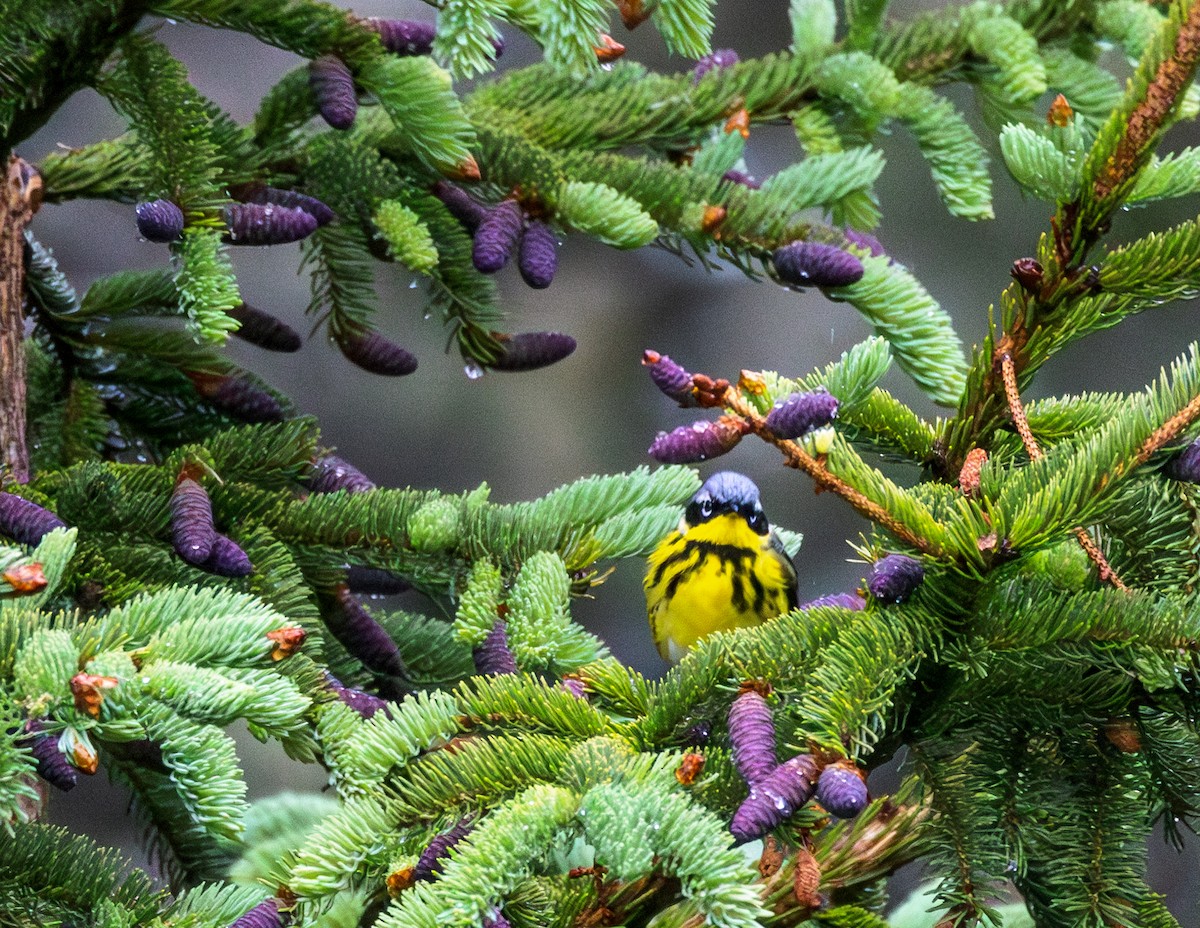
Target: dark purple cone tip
(497,235)
(462,206)
(537,256)
(864,240)
(375,582)
(404,37)
(227,559)
(52,764)
(800,413)
(815,264)
(788,787)
(331,474)
(333,90)
(841,791)
(264,330)
(575,687)
(192,532)
(365,704)
(670,378)
(274,196)
(894,577)
(496,920)
(376,354)
(493,655)
(752,735)
(527,351)
(352,625)
(720,58)
(242,399)
(266,914)
(1185,466)
(159,220)
(426,868)
(697,734)
(26,522)
(699,441)
(741,177)
(842,600)
(267,224)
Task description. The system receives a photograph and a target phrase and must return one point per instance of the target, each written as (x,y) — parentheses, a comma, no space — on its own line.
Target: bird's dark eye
(758,522)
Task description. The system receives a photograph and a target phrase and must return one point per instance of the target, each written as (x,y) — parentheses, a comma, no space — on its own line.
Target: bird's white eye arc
(706,508)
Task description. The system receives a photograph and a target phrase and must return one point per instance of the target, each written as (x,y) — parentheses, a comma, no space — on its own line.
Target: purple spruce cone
(864,240)
(426,869)
(670,378)
(228,559)
(350,623)
(841,791)
(496,920)
(52,764)
(26,522)
(493,655)
(267,224)
(258,192)
(497,235)
(800,413)
(537,256)
(720,58)
(752,735)
(264,330)
(843,600)
(373,581)
(575,687)
(741,177)
(159,220)
(376,354)
(333,90)
(404,36)
(527,351)
(365,704)
(462,206)
(192,532)
(699,441)
(697,734)
(241,398)
(266,914)
(894,577)
(331,473)
(814,264)
(788,787)
(1185,466)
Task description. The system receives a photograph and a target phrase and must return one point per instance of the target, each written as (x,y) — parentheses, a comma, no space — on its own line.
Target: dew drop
(473,370)
(412,284)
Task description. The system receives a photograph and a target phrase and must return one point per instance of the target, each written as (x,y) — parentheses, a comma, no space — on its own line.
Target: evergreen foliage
(1040,671)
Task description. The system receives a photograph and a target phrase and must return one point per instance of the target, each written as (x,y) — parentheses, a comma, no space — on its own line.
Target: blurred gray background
(597,412)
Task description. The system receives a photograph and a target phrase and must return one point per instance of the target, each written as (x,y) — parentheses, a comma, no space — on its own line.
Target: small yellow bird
(722,568)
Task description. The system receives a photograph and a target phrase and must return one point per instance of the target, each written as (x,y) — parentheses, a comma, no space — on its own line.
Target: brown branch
(797,457)
(20,200)
(1168,431)
(1008,372)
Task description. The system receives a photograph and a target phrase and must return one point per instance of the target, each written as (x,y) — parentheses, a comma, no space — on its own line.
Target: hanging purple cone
(427,869)
(333,90)
(575,686)
(699,441)
(894,577)
(788,787)
(1185,466)
(26,522)
(814,264)
(362,636)
(331,473)
(159,220)
(227,559)
(752,736)
(52,764)
(239,397)
(720,59)
(264,330)
(741,177)
(192,532)
(462,206)
(527,351)
(841,790)
(365,704)
(376,354)
(258,192)
(670,378)
(802,412)
(537,257)
(493,655)
(267,224)
(841,600)
(404,36)
(266,914)
(497,235)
